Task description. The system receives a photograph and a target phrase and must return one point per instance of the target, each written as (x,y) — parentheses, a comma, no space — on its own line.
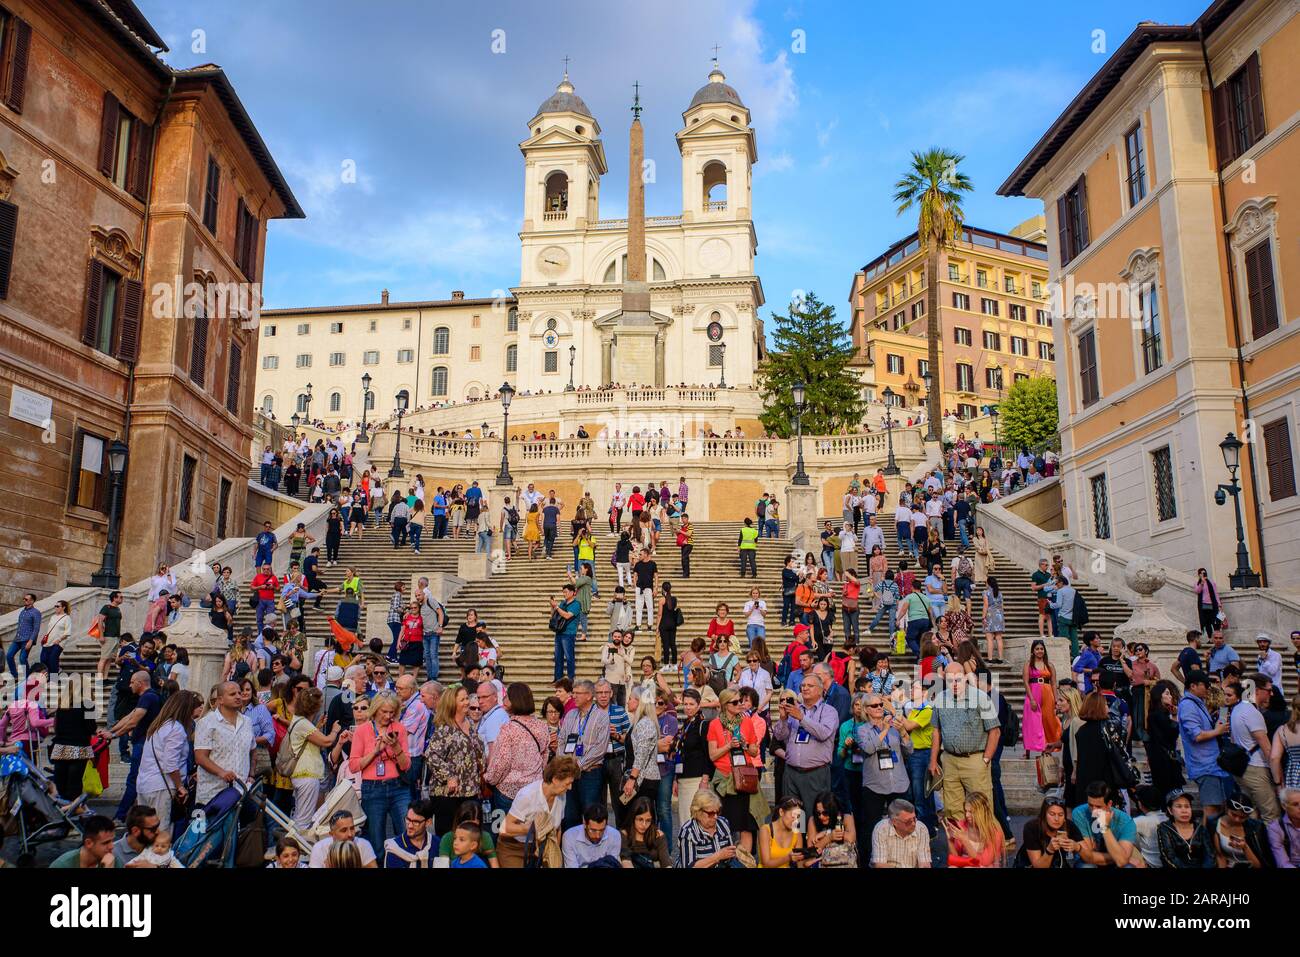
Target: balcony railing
(622,223)
(558,216)
(715,206)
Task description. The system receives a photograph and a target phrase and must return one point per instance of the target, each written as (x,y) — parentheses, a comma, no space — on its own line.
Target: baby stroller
(213,835)
(31,809)
(343,797)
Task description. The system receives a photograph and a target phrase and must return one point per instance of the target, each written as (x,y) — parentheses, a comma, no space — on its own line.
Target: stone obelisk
(636,329)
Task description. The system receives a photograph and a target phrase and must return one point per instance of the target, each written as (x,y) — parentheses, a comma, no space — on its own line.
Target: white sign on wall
(32,407)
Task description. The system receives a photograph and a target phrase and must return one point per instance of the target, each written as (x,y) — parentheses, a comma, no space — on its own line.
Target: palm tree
(934,186)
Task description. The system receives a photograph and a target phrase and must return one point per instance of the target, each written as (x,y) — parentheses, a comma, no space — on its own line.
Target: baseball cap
(800,629)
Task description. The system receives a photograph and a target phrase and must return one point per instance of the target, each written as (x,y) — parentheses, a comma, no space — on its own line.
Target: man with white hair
(1284,833)
(354,684)
(492,717)
(430,692)
(900,840)
(807,732)
(415,717)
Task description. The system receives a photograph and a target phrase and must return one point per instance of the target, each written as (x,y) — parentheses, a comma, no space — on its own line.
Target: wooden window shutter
(241,223)
(1088,367)
(1081,211)
(1063,228)
(16,80)
(108,135)
(128,344)
(199,351)
(233,378)
(212,195)
(8,233)
(1254,98)
(1260,292)
(1277,455)
(94,296)
(250,246)
(137,182)
(1221,104)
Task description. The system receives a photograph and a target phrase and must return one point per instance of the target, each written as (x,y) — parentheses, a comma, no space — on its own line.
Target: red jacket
(266,586)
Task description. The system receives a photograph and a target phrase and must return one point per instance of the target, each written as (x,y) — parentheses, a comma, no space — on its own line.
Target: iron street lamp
(504,479)
(296,420)
(363,438)
(800,393)
(722,362)
(931,410)
(107,576)
(891,465)
(994,414)
(396,471)
(1244,576)
(573,353)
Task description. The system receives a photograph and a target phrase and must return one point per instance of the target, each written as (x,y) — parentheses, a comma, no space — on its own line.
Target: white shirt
(1245,719)
(530,801)
(903,515)
(873,535)
(230,747)
(159,582)
(1270,664)
(934,507)
(530,498)
(756,611)
(490,725)
(760,681)
(320,851)
(164,751)
(181,675)
(869,503)
(617,499)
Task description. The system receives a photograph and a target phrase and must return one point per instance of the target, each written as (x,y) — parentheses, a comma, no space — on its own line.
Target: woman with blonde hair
(380,755)
(976,840)
(642,779)
(344,854)
(454,759)
(240,651)
(304,743)
(705,839)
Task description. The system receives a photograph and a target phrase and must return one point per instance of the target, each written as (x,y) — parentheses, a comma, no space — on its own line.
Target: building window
(301,403)
(268,331)
(441,341)
(894,364)
(338,358)
(370,357)
(268,404)
(1149,310)
(1016,312)
(1020,377)
(900,319)
(336,401)
(1162,466)
(185,509)
(370,401)
(960,300)
(954,272)
(1009,285)
(551,362)
(1019,346)
(304,328)
(922,367)
(1277,457)
(1072,220)
(1037,288)
(405,355)
(715,356)
(125,148)
(199,348)
(439,381)
(961,336)
(475,322)
(992,341)
(965,377)
(223,508)
(15,44)
(1043,317)
(246,228)
(234,378)
(1261,291)
(475,353)
(89,472)
(336,328)
(993,378)
(1090,390)
(304,361)
(270,363)
(918,309)
(1100,506)
(512,319)
(989,307)
(1238,112)
(374,325)
(211,195)
(1136,165)
(406,325)
(965,410)
(512,358)
(1047,352)
(111,323)
(982,278)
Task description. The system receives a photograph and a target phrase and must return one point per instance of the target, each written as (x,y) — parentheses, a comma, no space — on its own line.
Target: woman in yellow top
(305,741)
(352,582)
(586,546)
(533,529)
(780,844)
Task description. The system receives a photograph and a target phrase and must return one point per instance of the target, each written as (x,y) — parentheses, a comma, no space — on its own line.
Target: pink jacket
(24,720)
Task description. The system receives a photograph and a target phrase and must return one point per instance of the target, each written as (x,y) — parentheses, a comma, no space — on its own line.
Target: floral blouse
(960,626)
(452,753)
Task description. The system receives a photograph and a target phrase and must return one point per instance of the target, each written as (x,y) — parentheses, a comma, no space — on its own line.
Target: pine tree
(814,348)
(1029,413)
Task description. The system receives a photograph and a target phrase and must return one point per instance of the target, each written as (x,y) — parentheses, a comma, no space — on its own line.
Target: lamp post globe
(504,478)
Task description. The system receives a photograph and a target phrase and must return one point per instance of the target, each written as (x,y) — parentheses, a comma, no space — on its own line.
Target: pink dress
(1032,729)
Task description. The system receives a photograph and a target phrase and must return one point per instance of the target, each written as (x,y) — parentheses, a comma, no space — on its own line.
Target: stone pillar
(659,359)
(801,515)
(606,360)
(193,631)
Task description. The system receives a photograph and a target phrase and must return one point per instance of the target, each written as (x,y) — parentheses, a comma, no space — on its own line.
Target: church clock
(553,261)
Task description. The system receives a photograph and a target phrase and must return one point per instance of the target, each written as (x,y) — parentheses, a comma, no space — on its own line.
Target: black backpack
(1233,758)
(512,514)
(1009,721)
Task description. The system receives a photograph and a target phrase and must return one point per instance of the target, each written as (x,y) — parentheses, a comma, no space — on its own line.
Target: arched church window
(472,394)
(439,381)
(441,341)
(370,401)
(302,403)
(557,193)
(657,271)
(268,404)
(336,401)
(715,185)
(512,358)
(611,273)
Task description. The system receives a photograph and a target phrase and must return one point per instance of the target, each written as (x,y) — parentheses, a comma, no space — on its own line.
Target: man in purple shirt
(1284,833)
(807,734)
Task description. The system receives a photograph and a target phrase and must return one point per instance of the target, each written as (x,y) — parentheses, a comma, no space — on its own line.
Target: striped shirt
(887,847)
(694,843)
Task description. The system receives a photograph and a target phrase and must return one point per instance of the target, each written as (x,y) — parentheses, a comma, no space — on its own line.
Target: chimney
(458,294)
(383,296)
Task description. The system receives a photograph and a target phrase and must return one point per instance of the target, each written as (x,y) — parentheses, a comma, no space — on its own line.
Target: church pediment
(610,320)
(714,125)
(557,136)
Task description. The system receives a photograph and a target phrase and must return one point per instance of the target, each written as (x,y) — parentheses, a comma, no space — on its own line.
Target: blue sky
(413,95)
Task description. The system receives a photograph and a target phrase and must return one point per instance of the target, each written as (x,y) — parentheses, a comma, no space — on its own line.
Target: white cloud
(777,163)
(766,83)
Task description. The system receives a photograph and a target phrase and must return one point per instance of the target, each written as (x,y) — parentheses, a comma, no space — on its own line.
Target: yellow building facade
(1168,184)
(994,321)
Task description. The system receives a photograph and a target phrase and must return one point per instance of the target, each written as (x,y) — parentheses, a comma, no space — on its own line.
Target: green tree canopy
(1029,413)
(814,348)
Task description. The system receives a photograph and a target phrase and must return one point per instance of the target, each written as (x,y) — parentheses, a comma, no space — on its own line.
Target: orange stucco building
(1171,199)
(122,180)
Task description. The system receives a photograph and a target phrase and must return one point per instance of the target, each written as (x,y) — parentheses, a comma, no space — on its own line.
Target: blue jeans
(384,800)
(754,631)
(773,527)
(964,534)
(762,526)
(415,531)
(999,798)
(396,628)
(416,776)
(265,606)
(664,803)
(50,657)
(128,796)
(884,611)
(265,476)
(565,650)
(483,543)
(918,763)
(431,656)
(912,638)
(586,790)
(788,615)
(17,649)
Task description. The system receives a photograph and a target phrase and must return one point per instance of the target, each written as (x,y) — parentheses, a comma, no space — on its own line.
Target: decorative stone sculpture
(194,631)
(1150,622)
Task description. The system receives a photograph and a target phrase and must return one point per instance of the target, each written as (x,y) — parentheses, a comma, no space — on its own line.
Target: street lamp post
(396,471)
(504,479)
(107,576)
(573,353)
(1244,576)
(800,476)
(296,420)
(722,374)
(306,417)
(931,409)
(994,414)
(891,465)
(363,438)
